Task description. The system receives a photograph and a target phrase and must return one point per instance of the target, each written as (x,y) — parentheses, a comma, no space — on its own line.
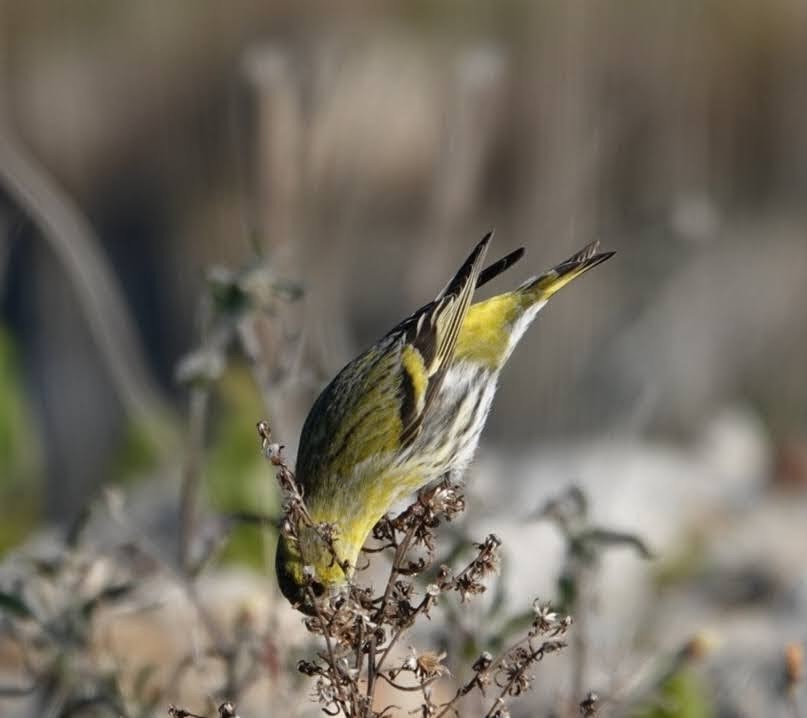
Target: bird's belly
(450,432)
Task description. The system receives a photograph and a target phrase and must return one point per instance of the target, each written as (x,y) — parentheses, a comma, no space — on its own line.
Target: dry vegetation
(361,626)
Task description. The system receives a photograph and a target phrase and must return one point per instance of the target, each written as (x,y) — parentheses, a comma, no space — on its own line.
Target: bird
(407,412)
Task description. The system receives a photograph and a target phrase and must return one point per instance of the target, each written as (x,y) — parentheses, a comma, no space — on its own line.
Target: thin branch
(332,669)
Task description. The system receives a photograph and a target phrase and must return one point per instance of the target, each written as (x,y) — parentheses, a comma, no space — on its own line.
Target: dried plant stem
(579,646)
(400,551)
(421,607)
(474,682)
(332,664)
(517,675)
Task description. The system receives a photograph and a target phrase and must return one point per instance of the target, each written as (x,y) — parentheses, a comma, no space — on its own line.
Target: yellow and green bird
(408,411)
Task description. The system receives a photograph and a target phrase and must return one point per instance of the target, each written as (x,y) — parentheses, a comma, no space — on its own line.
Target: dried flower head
(175,712)
(590,705)
(545,618)
(430,665)
(512,676)
(482,663)
(227,710)
(324,692)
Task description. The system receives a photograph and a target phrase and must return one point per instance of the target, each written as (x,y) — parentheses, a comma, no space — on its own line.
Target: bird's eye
(317,588)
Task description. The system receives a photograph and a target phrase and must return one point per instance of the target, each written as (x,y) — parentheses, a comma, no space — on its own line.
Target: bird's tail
(544,286)
(495,269)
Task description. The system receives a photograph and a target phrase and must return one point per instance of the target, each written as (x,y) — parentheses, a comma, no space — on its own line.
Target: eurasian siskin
(406,412)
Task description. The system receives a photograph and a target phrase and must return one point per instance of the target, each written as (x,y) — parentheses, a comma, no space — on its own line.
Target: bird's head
(307,570)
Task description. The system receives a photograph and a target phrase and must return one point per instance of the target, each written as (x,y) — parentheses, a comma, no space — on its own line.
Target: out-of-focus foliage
(235,476)
(20,450)
(683,695)
(137,455)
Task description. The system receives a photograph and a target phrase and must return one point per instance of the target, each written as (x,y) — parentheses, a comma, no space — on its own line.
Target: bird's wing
(429,337)
(375,405)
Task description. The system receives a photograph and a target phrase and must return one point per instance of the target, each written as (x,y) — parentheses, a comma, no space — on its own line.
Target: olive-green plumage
(409,410)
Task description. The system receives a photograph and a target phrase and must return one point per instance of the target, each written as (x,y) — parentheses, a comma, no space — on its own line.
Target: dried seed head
(448,501)
(483,662)
(264,432)
(589,705)
(175,712)
(467,585)
(566,622)
(512,672)
(308,668)
(324,692)
(410,662)
(430,665)
(545,618)
(501,709)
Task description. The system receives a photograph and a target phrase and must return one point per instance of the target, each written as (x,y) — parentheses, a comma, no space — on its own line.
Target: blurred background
(206,209)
